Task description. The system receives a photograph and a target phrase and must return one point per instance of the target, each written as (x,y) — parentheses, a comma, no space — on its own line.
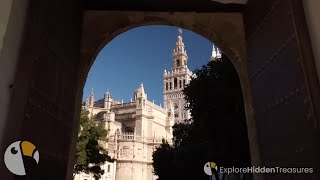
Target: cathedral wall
(94,111)
(150,127)
(114,126)
(138,126)
(158,131)
(159,117)
(124,171)
(126,150)
(133,159)
(150,175)
(124,108)
(125,124)
(142,123)
(133,171)
(134,150)
(109,173)
(137,171)
(140,151)
(156,107)
(150,149)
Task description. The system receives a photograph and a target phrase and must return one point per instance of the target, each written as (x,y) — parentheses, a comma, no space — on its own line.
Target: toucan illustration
(211,169)
(19,156)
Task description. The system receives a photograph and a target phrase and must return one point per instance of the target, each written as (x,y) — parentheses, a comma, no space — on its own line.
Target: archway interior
(124,62)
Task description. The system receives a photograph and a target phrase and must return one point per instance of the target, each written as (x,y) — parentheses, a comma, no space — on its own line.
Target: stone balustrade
(133,137)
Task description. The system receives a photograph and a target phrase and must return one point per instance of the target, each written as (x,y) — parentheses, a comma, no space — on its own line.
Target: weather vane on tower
(180,31)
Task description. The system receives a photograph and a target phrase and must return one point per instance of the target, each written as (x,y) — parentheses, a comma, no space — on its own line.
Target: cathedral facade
(137,127)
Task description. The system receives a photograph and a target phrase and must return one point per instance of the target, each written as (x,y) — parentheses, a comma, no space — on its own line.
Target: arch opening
(172,84)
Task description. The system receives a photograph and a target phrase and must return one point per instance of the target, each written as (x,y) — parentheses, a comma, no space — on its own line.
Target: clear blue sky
(140,55)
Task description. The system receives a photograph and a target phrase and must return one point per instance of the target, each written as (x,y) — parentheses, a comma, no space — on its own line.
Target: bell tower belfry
(175,80)
(180,58)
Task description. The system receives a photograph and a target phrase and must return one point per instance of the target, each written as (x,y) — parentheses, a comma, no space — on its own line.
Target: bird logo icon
(18,155)
(208,167)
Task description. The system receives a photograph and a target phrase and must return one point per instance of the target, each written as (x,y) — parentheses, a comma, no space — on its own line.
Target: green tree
(90,154)
(217,130)
(164,161)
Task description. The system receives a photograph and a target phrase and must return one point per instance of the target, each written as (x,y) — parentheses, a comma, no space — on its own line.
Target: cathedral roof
(140,92)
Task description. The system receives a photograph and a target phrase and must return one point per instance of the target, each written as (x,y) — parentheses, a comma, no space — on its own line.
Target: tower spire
(180,57)
(91,93)
(179,32)
(215,54)
(91,98)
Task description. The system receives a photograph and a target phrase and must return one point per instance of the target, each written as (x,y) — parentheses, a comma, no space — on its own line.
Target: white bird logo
(15,153)
(207,168)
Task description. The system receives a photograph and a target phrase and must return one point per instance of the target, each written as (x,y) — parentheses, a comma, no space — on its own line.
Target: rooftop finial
(164,70)
(179,31)
(91,98)
(216,54)
(91,92)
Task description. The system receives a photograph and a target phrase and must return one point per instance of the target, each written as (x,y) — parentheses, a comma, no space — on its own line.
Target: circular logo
(208,167)
(20,156)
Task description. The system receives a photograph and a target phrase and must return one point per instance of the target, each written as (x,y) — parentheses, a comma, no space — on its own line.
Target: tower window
(170,85)
(175,83)
(180,84)
(184,82)
(178,62)
(166,86)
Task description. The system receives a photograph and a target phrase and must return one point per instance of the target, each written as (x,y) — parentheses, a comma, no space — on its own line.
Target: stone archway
(45,73)
(226,30)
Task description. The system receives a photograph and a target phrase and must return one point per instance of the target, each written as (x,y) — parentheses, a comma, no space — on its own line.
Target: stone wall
(12,17)
(284,83)
(43,37)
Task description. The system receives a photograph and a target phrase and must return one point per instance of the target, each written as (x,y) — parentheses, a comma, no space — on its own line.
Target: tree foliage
(90,154)
(217,130)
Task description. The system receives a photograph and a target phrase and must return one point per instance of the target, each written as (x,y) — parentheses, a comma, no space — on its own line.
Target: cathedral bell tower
(175,80)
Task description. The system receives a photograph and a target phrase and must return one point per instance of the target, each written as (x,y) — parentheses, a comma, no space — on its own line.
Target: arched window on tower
(184,82)
(178,62)
(175,83)
(180,84)
(166,86)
